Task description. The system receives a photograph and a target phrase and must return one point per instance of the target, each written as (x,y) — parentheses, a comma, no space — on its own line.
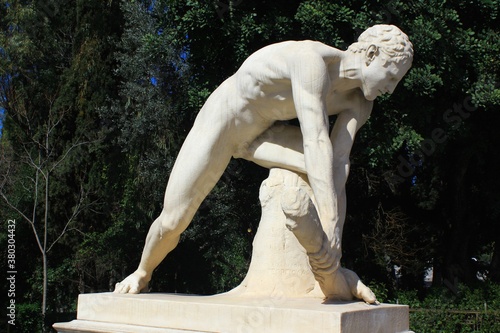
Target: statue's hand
(345,285)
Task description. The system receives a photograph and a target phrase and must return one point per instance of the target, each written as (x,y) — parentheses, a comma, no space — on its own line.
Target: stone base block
(108,312)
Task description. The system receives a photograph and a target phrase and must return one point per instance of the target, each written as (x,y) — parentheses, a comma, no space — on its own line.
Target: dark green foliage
(54,63)
(122,83)
(471,309)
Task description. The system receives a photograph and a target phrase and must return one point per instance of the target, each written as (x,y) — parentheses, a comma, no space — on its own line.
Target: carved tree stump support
(291,251)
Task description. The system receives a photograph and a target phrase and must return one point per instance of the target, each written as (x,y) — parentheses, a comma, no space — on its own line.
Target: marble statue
(307,80)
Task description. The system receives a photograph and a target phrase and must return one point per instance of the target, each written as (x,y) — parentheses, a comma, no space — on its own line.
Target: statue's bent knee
(169,226)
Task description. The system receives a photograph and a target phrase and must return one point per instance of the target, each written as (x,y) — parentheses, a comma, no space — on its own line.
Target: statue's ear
(370,54)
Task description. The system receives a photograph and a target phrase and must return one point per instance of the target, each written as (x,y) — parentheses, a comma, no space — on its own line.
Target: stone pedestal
(279,293)
(107,312)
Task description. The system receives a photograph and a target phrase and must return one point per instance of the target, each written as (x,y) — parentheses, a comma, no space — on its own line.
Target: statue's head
(392,43)
(383,55)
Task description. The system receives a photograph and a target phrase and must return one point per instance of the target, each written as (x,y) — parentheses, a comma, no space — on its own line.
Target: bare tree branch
(76,211)
(27,219)
(56,164)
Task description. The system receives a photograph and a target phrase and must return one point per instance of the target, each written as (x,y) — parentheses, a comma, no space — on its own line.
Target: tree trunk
(45,238)
(44,287)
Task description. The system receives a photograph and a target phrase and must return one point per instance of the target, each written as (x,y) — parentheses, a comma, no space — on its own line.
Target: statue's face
(380,76)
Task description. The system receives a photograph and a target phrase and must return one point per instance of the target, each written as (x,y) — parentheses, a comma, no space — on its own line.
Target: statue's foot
(365,293)
(345,285)
(359,289)
(135,283)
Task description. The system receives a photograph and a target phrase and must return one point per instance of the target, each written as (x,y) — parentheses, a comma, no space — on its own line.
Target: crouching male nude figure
(295,79)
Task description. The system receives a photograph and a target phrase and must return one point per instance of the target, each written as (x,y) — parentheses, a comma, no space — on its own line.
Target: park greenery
(97,97)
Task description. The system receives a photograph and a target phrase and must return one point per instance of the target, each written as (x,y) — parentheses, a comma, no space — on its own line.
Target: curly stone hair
(390,40)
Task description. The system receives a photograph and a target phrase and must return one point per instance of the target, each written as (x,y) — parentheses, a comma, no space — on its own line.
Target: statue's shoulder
(297,47)
(281,58)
